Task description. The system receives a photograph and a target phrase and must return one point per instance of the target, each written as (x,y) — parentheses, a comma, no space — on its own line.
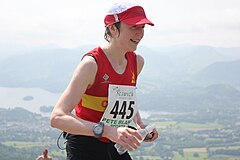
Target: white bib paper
(122,106)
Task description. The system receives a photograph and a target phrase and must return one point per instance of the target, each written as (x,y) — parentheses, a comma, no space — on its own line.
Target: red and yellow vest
(94,101)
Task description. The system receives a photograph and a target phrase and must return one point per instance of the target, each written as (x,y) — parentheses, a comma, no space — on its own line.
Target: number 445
(123,110)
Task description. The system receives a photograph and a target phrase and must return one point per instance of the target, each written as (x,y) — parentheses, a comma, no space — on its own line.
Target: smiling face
(129,36)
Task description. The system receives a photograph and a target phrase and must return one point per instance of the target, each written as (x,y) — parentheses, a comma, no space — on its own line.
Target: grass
(164,124)
(198,126)
(150,157)
(230,147)
(189,156)
(188,125)
(192,150)
(223,157)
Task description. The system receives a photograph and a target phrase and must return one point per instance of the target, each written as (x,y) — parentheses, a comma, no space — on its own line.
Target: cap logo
(118,9)
(121,7)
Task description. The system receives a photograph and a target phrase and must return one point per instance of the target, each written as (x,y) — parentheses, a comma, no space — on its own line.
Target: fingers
(151,137)
(134,133)
(155,135)
(129,139)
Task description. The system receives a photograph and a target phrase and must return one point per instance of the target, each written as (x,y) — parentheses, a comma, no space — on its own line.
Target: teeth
(136,41)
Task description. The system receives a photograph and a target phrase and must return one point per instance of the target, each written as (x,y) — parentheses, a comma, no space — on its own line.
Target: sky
(73,23)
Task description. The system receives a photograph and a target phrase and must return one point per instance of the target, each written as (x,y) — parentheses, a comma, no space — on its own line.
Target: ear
(113,30)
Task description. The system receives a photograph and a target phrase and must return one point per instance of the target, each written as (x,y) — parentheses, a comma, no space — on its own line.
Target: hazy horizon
(69,24)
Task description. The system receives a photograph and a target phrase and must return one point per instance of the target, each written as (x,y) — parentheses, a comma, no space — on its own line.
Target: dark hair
(45,151)
(107,33)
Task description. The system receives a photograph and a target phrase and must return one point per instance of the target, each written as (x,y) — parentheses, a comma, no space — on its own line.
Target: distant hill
(46,69)
(196,57)
(232,53)
(178,63)
(18,114)
(188,98)
(157,66)
(219,72)
(189,58)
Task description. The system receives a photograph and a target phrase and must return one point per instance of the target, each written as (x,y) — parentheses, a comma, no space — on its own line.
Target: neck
(116,57)
(115,54)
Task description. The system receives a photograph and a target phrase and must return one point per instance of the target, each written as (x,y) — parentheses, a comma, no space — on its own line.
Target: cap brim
(137,21)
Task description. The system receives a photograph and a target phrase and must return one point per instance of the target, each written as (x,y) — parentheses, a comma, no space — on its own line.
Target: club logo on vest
(105,78)
(133,78)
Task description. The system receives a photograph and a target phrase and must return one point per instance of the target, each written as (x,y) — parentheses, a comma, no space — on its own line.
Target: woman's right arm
(61,116)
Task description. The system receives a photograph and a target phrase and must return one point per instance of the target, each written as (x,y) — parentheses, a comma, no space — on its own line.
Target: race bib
(122,106)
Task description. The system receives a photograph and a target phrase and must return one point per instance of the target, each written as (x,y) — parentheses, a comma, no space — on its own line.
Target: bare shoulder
(86,69)
(88,62)
(82,78)
(39,158)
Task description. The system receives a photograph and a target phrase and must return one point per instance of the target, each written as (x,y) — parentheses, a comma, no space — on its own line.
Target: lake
(32,99)
(17,97)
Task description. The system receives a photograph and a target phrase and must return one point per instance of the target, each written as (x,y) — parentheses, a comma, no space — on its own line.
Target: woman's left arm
(137,118)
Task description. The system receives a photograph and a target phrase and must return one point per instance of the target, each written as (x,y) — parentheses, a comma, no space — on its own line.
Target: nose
(140,30)
(140,27)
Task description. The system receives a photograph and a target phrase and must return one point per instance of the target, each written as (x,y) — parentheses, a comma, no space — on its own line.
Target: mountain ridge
(169,80)
(219,72)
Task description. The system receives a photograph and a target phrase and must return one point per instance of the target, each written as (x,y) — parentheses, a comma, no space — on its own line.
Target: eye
(133,27)
(138,26)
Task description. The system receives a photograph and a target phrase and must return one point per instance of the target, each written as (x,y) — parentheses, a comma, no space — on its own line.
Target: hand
(127,137)
(152,137)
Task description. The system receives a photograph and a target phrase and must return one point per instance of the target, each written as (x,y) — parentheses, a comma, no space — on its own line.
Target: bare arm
(83,76)
(137,119)
(140,63)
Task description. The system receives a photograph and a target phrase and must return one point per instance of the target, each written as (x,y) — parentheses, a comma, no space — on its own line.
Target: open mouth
(135,41)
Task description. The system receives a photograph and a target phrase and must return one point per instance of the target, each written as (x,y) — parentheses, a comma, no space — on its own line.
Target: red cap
(130,14)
